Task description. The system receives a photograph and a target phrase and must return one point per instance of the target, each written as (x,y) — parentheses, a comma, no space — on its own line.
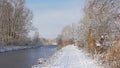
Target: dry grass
(91,45)
(112,56)
(108,55)
(64,43)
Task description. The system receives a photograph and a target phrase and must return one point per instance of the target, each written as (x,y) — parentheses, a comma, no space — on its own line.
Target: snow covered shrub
(112,56)
(108,55)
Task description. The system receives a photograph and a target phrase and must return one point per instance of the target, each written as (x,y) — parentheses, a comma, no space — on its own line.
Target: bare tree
(15,21)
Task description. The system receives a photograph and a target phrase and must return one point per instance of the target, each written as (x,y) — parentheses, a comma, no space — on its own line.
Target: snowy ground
(12,48)
(68,57)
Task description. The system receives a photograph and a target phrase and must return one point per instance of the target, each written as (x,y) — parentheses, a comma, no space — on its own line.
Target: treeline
(37,40)
(98,31)
(15,23)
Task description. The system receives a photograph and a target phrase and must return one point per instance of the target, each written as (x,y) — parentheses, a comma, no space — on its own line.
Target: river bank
(14,48)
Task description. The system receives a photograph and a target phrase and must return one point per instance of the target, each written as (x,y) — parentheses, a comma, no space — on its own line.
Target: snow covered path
(70,57)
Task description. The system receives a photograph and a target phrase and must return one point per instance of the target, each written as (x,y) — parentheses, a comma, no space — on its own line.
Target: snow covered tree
(100,16)
(15,21)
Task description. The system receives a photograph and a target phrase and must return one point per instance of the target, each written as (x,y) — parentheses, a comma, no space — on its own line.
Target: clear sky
(50,16)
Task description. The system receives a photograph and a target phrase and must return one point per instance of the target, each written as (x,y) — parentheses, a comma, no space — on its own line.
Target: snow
(69,57)
(12,48)
(98,44)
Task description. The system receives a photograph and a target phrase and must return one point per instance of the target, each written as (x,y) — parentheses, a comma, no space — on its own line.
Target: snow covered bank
(69,57)
(12,48)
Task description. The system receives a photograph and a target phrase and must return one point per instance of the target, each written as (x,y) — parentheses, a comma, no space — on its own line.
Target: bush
(62,43)
(112,56)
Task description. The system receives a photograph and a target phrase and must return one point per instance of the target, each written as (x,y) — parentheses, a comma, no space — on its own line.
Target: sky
(51,16)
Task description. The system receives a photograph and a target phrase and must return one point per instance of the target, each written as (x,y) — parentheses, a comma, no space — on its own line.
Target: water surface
(25,58)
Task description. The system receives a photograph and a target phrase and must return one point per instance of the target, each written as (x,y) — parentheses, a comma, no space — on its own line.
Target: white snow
(69,57)
(97,43)
(12,48)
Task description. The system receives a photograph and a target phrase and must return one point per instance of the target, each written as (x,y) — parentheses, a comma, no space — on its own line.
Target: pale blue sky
(50,16)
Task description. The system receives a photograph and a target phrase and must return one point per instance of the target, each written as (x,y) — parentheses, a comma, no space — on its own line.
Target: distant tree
(36,38)
(59,39)
(67,36)
(67,33)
